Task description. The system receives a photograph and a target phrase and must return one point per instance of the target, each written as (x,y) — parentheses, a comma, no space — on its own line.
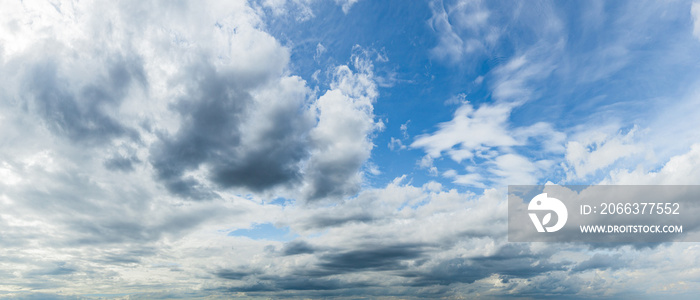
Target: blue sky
(589,64)
(335,149)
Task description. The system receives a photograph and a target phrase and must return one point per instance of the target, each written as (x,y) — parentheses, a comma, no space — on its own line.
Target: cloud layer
(157,149)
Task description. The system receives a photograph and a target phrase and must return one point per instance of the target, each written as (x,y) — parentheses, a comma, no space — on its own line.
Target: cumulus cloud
(680,169)
(114,131)
(341,140)
(222,130)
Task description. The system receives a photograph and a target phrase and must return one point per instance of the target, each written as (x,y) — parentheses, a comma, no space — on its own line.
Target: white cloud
(449,173)
(471,179)
(458,99)
(470,14)
(432,186)
(426,162)
(90,89)
(462,28)
(300,9)
(513,169)
(342,136)
(485,134)
(372,168)
(396,144)
(404,129)
(450,45)
(513,80)
(679,170)
(596,149)
(672,126)
(7,175)
(118,115)
(550,139)
(320,50)
(346,4)
(469,130)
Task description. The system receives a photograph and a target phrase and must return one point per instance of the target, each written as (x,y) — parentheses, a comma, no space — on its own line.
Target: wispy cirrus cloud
(486,135)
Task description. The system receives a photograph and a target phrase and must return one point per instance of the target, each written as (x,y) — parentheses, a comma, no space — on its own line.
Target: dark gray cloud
(297,247)
(59,270)
(213,133)
(273,160)
(294,283)
(602,262)
(120,259)
(412,262)
(333,219)
(211,116)
(124,163)
(372,258)
(275,283)
(510,261)
(42,296)
(233,275)
(330,178)
(331,262)
(83,113)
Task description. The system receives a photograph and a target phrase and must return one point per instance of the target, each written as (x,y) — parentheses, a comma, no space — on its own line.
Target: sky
(335,149)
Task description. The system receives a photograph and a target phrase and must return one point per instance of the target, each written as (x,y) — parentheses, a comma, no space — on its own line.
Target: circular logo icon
(543,203)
